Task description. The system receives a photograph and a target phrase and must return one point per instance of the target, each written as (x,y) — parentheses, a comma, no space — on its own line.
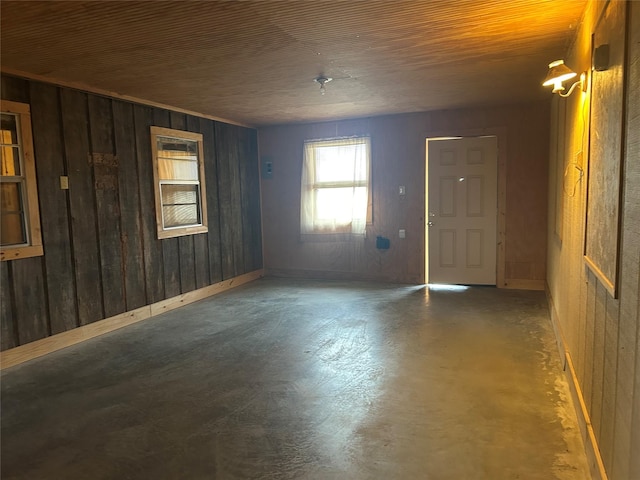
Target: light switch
(267,168)
(402,233)
(64,182)
(401,190)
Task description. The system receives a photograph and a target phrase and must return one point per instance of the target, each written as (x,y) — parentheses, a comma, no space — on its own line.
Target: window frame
(33,247)
(171,232)
(320,234)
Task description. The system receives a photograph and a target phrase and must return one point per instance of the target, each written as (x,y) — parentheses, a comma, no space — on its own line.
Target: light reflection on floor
(438,287)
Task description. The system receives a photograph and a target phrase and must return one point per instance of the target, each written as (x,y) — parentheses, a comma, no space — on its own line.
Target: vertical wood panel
(186,257)
(8,334)
(225,158)
(244,168)
(610,379)
(129,196)
(151,246)
(207,128)
(102,255)
(170,249)
(587,387)
(602,330)
(106,178)
(187,263)
(200,241)
(54,216)
(235,225)
(630,268)
(253,211)
(82,206)
(598,358)
(30,307)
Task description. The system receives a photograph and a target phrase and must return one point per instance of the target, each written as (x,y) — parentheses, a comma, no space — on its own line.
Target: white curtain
(335,195)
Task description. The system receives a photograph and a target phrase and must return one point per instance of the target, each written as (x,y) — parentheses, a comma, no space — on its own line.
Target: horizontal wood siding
(102,256)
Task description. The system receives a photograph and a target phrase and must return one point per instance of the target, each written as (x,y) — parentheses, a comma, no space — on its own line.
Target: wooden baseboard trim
(596,465)
(522,284)
(29,351)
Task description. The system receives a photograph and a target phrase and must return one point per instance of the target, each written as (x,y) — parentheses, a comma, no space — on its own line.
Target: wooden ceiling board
(254,61)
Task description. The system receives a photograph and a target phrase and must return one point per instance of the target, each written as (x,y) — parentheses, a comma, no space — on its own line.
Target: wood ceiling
(254,61)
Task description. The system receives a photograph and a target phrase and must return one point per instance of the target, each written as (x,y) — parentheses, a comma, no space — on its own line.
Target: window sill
(15,253)
(181,232)
(332,237)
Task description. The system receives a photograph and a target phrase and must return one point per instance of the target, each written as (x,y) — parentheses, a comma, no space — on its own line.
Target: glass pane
(169,169)
(180,205)
(341,205)
(344,163)
(10,161)
(177,146)
(179,194)
(180,215)
(13,231)
(8,129)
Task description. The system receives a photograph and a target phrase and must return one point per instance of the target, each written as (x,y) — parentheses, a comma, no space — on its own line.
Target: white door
(462,199)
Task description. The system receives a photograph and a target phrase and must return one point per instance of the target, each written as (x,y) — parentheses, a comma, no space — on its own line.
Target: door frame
(501,134)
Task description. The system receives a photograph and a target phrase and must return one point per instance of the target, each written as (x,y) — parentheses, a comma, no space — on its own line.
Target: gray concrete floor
(283,379)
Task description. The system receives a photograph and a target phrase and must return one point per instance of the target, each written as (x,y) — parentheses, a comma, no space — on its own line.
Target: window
(178,170)
(336,193)
(20,235)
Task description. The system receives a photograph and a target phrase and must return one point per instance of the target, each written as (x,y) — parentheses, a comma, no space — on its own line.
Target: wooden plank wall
(102,256)
(601,333)
(398,158)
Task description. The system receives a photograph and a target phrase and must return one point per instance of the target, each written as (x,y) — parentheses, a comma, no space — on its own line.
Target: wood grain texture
(54,215)
(597,387)
(605,150)
(627,442)
(214,239)
(106,180)
(14,89)
(151,246)
(30,305)
(610,377)
(170,252)
(255,61)
(82,206)
(226,162)
(200,241)
(129,206)
(186,251)
(103,255)
(8,334)
(250,202)
(603,330)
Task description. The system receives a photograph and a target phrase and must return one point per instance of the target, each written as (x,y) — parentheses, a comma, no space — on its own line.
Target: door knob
(430,224)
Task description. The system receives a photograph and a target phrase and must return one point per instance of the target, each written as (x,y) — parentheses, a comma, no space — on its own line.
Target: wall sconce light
(322,80)
(558,73)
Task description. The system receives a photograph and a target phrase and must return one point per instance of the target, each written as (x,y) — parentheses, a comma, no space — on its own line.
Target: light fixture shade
(558,73)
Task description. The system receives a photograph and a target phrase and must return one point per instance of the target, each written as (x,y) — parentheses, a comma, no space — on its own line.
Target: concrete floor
(285,379)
